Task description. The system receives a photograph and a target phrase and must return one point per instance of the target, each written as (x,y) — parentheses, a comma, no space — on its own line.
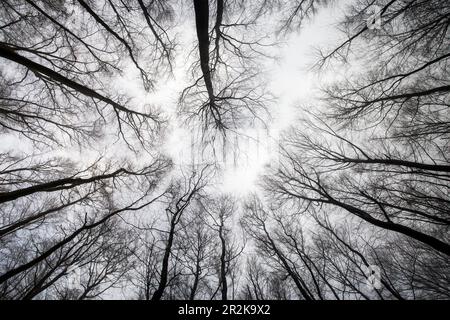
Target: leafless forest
(355,204)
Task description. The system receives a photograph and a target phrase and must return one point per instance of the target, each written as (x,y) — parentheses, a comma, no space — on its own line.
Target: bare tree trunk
(10,54)
(223,263)
(202,24)
(196,280)
(157,295)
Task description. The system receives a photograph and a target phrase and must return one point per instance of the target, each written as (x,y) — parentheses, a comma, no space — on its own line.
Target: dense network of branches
(92,208)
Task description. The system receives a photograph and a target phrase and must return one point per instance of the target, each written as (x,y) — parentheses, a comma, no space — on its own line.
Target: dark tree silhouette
(90,205)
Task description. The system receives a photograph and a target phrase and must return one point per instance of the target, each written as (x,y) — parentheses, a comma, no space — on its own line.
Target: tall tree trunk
(223,264)
(196,280)
(202,25)
(157,295)
(8,53)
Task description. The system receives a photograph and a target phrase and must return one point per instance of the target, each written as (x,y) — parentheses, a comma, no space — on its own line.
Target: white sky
(289,79)
(293,84)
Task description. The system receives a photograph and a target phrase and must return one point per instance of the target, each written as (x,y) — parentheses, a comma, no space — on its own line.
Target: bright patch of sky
(290,79)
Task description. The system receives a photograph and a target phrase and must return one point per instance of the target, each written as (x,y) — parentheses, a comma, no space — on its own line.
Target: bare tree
(329,259)
(197,253)
(59,87)
(54,232)
(227,95)
(182,194)
(221,210)
(378,149)
(264,283)
(362,181)
(255,222)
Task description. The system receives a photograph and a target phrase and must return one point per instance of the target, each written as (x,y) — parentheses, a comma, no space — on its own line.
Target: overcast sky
(289,79)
